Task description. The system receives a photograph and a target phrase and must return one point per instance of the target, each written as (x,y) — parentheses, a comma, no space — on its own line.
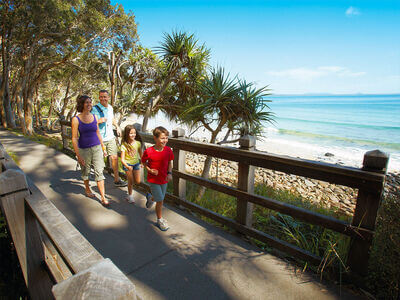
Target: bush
(384,267)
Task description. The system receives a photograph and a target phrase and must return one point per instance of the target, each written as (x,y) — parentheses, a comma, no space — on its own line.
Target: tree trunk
(207,166)
(51,108)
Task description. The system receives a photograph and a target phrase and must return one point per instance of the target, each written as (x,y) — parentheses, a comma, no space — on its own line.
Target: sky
(293,47)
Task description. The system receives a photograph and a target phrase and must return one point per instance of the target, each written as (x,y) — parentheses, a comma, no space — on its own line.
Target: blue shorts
(135,167)
(158,191)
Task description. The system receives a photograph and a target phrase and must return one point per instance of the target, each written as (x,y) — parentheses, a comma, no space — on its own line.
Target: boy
(158,162)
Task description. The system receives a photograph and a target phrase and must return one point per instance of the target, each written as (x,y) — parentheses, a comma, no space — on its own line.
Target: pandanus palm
(180,53)
(222,102)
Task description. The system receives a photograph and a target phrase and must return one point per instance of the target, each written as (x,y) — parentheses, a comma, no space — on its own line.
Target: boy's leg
(159,209)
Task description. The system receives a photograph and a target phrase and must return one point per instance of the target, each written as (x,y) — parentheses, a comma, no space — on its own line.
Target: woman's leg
(100,185)
(88,191)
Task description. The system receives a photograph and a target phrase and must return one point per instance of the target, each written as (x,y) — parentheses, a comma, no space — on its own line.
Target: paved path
(192,260)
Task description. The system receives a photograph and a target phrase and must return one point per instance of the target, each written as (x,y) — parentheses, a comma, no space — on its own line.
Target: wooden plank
(76,251)
(54,261)
(25,234)
(291,210)
(39,282)
(101,281)
(261,236)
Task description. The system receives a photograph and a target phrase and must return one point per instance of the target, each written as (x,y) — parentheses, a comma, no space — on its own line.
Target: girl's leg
(129,175)
(136,176)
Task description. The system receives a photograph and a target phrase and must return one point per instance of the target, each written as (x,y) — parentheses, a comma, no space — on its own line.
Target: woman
(89,148)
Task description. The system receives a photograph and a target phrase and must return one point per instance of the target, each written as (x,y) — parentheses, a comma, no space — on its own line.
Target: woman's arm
(74,127)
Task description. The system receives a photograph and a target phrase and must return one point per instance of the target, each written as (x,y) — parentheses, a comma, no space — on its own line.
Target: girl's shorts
(158,191)
(135,167)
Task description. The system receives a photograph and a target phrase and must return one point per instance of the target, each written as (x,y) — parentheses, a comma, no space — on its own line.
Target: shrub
(384,265)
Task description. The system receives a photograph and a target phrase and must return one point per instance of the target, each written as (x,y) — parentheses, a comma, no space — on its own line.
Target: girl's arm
(74,126)
(123,161)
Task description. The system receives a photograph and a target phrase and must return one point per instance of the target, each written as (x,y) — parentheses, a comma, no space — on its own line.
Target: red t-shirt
(157,160)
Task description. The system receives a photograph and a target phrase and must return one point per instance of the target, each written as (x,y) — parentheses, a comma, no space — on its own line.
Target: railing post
(179,165)
(244,209)
(25,233)
(103,280)
(365,213)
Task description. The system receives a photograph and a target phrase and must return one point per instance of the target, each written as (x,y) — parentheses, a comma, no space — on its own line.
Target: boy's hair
(127,130)
(80,102)
(158,130)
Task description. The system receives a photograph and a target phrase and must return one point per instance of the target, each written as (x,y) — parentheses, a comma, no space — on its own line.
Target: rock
(328,154)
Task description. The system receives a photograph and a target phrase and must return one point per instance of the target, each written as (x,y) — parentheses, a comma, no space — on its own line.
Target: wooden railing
(56,260)
(369,181)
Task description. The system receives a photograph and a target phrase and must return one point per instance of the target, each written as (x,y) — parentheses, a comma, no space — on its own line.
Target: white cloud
(352,11)
(307,74)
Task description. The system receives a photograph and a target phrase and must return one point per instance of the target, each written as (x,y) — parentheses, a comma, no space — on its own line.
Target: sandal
(105,203)
(90,195)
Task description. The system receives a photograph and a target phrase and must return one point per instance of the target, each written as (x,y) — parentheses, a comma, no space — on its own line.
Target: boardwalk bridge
(70,247)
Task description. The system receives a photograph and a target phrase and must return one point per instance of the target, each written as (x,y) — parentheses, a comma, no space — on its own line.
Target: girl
(131,153)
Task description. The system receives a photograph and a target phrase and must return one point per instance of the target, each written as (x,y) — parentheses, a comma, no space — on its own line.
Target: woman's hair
(158,130)
(127,130)
(80,102)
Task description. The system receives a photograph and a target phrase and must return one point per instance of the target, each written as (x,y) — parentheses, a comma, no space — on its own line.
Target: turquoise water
(358,121)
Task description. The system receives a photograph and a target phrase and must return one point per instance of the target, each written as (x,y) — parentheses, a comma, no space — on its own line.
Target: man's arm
(119,132)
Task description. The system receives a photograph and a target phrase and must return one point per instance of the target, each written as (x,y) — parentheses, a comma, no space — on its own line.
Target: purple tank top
(87,134)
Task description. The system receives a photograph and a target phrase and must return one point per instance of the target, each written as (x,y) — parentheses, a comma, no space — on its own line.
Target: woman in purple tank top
(89,148)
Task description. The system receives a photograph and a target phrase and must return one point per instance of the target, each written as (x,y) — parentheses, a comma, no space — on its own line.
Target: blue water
(361,121)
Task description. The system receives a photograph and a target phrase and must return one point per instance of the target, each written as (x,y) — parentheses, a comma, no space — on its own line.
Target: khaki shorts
(111,147)
(92,156)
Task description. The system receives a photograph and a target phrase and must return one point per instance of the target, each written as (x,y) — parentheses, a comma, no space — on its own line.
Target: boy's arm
(169,173)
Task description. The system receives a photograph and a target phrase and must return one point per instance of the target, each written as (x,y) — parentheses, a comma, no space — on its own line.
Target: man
(105,118)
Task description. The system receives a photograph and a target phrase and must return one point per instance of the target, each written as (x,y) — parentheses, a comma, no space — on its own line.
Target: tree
(220,102)
(179,52)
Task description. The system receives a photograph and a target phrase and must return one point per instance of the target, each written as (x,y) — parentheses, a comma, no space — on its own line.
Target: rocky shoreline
(318,192)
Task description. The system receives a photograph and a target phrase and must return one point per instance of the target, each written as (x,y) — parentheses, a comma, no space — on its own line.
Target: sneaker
(149,202)
(130,199)
(120,183)
(162,224)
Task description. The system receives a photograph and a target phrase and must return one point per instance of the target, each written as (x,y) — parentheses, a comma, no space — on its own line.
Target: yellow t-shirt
(131,152)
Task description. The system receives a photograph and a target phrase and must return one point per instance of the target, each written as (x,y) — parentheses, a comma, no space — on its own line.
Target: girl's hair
(158,130)
(80,102)
(127,130)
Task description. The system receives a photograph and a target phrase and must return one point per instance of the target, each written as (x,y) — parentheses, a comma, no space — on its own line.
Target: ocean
(349,125)
(308,127)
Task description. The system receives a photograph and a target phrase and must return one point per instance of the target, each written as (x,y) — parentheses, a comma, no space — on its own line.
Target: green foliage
(384,267)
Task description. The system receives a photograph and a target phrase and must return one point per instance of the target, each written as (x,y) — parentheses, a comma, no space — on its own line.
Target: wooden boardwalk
(192,260)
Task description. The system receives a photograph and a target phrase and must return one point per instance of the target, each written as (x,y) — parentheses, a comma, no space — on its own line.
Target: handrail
(369,181)
(49,248)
